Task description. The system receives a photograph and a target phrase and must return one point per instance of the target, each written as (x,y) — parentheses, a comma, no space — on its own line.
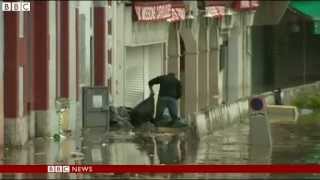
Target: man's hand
(151,92)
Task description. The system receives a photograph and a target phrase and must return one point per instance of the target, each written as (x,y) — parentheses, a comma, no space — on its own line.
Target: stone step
(282,113)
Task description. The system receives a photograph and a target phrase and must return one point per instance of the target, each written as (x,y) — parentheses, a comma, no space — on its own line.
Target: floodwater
(292,144)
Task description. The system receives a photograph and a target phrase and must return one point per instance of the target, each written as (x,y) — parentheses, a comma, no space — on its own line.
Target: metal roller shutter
(134,83)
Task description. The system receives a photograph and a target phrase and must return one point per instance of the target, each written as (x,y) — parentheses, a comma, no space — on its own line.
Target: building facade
(206,43)
(285,53)
(44,50)
(59,47)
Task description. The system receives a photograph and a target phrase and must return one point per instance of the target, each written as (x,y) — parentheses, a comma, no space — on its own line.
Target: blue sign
(256,104)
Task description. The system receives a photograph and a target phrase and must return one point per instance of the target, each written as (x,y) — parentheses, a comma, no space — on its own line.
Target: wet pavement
(292,144)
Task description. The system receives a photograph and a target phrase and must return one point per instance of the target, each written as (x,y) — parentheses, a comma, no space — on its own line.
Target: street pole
(304,44)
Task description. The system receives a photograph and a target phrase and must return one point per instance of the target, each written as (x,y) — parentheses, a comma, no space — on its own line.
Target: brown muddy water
(292,144)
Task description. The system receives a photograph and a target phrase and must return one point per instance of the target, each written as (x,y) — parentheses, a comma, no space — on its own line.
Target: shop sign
(246,5)
(177,14)
(153,12)
(215,11)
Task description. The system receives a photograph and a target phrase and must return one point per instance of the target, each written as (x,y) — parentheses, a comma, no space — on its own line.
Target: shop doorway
(223,67)
(182,76)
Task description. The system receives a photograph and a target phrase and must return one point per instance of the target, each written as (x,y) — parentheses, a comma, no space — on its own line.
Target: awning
(311,8)
(270,12)
(243,5)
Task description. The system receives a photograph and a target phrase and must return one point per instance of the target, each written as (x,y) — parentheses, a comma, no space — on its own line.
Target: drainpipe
(304,54)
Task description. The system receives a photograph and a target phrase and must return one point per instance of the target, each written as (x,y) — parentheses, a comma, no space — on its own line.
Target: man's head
(171,74)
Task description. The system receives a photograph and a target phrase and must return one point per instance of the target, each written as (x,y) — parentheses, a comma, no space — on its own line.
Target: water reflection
(292,144)
(140,149)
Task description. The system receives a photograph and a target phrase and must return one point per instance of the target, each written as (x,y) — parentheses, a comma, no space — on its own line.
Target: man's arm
(153,81)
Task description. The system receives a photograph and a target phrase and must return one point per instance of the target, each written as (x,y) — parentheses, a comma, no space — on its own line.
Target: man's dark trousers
(167,102)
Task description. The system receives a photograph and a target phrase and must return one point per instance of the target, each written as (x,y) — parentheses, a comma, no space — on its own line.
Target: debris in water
(56,137)
(96,155)
(76,154)
(39,153)
(131,133)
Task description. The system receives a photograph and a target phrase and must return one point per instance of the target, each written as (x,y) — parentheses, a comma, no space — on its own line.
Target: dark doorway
(182,76)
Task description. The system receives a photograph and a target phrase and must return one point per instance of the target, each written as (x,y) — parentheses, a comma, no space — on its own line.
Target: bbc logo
(58,169)
(16,6)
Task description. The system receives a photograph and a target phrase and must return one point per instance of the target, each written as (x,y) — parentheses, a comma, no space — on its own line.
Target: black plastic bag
(143,112)
(120,117)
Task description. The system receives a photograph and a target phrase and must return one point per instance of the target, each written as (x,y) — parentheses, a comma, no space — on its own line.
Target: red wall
(40,55)
(99,46)
(11,64)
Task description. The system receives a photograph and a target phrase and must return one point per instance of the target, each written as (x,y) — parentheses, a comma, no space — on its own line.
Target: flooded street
(292,144)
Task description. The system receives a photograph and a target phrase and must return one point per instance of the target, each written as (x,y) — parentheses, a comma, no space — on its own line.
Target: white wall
(72,64)
(52,64)
(172,63)
(143,33)
(203,77)
(215,77)
(53,55)
(235,60)
(247,65)
(21,69)
(72,50)
(85,32)
(118,53)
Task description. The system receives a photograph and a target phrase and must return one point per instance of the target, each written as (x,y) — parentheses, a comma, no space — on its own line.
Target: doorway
(222,68)
(182,76)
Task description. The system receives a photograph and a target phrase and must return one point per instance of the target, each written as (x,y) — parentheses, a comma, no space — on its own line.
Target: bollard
(62,107)
(260,132)
(278,96)
(201,125)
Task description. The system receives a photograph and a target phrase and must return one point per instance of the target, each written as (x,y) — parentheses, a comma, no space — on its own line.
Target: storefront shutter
(134,84)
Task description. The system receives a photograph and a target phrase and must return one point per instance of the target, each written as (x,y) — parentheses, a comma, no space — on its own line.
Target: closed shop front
(142,64)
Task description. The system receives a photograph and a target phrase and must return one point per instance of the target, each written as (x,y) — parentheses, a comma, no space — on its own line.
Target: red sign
(152,11)
(227,168)
(246,5)
(177,14)
(215,11)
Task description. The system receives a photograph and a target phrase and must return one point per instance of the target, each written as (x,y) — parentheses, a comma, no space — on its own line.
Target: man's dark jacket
(170,86)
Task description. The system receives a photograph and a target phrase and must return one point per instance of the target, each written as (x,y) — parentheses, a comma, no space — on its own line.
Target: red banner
(246,5)
(215,11)
(152,10)
(216,8)
(178,11)
(160,169)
